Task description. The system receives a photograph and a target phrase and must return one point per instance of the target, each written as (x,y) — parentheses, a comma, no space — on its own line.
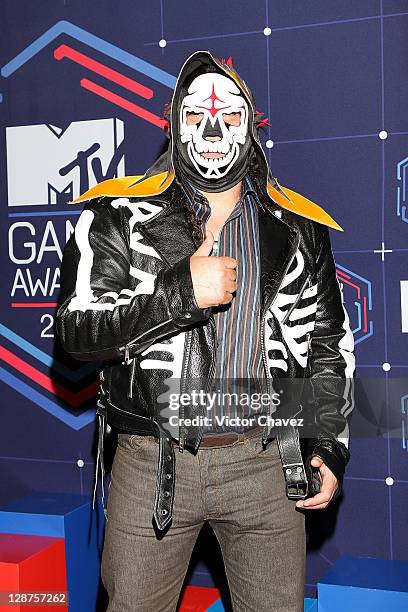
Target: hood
(197,61)
(162,173)
(239,144)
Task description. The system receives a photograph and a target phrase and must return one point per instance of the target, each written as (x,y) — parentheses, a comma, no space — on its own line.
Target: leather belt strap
(165,481)
(297,486)
(129,422)
(102,424)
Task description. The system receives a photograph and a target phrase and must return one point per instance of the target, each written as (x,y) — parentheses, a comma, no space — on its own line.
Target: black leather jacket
(127,301)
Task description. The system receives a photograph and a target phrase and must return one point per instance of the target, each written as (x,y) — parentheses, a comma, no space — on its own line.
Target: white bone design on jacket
(346,348)
(305,315)
(146,285)
(173,347)
(85,298)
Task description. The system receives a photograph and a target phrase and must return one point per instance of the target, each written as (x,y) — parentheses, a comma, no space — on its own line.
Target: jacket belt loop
(100,462)
(297,486)
(165,483)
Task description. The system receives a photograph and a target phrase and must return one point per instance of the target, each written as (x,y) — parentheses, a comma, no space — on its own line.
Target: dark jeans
(240,491)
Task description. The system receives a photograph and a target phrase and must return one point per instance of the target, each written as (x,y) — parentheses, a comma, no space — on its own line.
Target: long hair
(178,198)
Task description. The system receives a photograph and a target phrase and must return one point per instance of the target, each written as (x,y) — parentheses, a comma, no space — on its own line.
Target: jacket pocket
(132,442)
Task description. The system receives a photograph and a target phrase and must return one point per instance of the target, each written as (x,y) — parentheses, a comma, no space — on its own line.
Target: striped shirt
(239,364)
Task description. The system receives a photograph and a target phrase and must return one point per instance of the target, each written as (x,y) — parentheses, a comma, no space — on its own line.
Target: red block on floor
(32,564)
(198,599)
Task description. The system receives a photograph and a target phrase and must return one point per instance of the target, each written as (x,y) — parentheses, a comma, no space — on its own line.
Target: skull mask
(213,141)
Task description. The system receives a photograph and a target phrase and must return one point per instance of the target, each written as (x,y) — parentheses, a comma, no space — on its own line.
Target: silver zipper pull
(131,379)
(127,360)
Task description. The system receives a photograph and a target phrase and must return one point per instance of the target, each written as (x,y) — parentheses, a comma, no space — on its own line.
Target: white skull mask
(215,96)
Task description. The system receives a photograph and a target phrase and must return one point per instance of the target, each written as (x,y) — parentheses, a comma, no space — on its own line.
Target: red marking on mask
(213,97)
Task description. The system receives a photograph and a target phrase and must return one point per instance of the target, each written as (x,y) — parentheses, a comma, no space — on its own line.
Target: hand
(328,488)
(214,278)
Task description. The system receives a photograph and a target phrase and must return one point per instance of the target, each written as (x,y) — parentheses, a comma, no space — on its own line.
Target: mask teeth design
(211,147)
(215,167)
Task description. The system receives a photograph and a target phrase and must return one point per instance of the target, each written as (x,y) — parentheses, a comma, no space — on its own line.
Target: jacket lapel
(278,243)
(170,232)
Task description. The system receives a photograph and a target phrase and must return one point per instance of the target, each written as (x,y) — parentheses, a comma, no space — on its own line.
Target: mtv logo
(357,296)
(50,165)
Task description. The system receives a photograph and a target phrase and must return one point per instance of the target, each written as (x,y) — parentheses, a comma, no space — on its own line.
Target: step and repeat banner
(82,91)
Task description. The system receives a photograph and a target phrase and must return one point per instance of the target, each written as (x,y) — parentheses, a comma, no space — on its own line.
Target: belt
(165,481)
(297,485)
(288,444)
(229,438)
(102,425)
(296,480)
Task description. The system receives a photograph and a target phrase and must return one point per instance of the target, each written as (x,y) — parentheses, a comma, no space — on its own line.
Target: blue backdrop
(82,89)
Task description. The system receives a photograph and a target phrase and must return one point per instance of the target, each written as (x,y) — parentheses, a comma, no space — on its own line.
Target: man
(206,270)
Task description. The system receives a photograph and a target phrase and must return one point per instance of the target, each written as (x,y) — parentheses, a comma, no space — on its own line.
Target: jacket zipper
(184,373)
(183,378)
(214,327)
(126,347)
(212,370)
(131,378)
(296,302)
(268,376)
(309,343)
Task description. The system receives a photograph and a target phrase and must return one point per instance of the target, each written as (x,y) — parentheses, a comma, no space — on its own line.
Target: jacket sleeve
(332,365)
(98,314)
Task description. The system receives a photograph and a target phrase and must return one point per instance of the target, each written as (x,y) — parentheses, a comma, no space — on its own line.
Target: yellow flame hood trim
(136,187)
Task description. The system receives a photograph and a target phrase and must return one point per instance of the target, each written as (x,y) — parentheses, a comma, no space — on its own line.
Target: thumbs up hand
(214,278)
(206,246)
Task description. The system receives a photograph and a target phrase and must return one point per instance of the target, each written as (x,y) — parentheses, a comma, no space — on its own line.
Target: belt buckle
(297,486)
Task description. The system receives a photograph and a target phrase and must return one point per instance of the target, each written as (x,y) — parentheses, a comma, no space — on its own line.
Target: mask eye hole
(193,118)
(232,119)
